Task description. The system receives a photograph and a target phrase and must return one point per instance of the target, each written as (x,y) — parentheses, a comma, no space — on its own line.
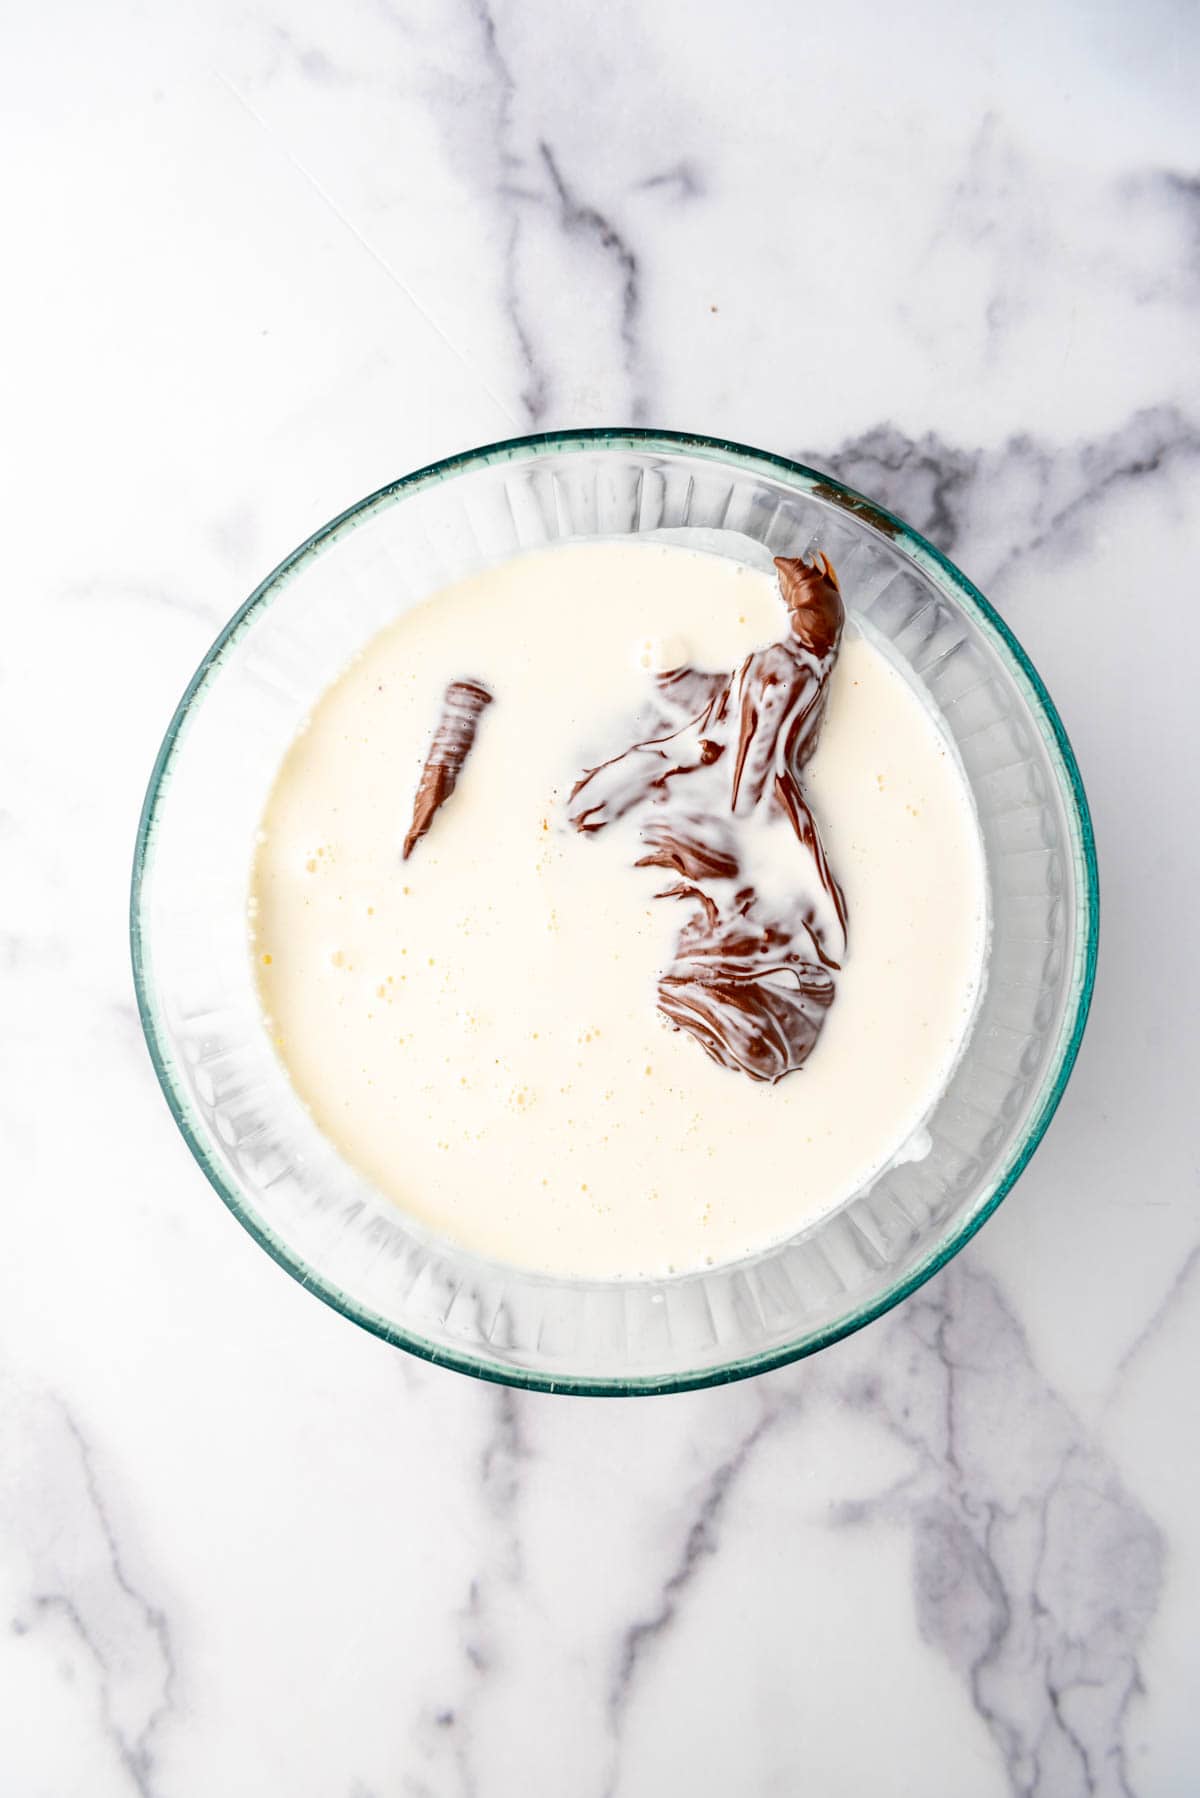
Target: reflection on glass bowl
(315,1214)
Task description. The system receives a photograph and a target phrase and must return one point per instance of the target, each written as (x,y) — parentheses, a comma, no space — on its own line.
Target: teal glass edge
(925,555)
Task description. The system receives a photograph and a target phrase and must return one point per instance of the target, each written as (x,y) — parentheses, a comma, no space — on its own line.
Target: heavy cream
(477,1027)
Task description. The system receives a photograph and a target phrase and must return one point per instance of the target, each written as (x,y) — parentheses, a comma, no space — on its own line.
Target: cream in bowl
(618,911)
(854,945)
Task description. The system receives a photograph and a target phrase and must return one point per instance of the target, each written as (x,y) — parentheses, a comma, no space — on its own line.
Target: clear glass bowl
(322,1220)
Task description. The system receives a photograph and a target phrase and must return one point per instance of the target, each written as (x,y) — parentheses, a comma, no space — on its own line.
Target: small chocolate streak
(452,740)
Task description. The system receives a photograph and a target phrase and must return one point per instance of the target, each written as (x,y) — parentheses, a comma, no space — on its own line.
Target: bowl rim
(867,512)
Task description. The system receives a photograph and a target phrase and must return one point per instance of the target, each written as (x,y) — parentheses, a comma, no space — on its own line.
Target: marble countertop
(263,258)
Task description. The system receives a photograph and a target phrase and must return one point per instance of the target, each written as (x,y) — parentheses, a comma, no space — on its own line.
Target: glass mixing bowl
(322,1220)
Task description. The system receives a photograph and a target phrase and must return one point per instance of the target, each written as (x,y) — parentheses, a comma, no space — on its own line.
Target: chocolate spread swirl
(752,976)
(452,740)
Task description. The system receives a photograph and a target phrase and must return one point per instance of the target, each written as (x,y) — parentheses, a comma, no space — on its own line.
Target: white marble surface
(263,258)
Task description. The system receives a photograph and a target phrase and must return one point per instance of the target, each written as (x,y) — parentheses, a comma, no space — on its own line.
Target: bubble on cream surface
(488,1048)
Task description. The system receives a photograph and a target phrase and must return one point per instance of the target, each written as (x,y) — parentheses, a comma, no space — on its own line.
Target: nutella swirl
(754,971)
